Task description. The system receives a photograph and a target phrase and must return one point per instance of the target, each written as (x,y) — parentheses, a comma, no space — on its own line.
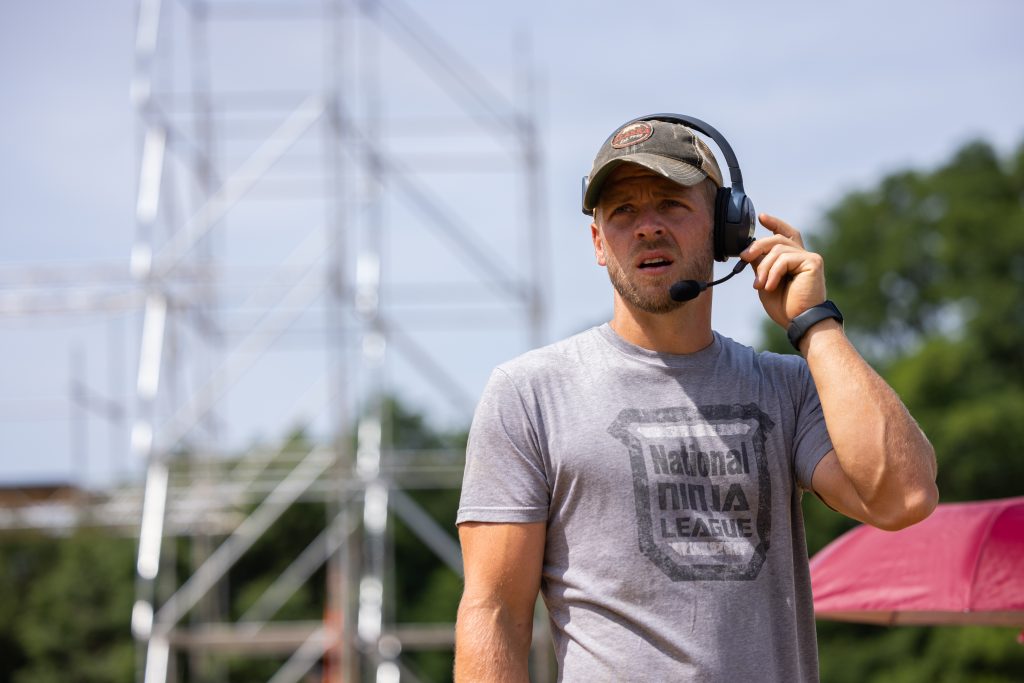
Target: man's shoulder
(767,362)
(560,355)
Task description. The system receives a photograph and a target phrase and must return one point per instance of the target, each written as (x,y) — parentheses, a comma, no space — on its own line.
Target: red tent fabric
(962,565)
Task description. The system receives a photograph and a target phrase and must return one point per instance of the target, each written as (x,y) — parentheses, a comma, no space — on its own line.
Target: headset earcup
(734,225)
(722,200)
(740,233)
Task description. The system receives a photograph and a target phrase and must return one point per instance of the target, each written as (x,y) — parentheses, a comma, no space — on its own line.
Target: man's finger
(758,248)
(781,227)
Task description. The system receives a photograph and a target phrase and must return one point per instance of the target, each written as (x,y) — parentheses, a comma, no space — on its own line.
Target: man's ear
(595,234)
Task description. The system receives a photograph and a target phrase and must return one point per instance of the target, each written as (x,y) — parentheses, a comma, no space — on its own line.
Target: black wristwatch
(812,316)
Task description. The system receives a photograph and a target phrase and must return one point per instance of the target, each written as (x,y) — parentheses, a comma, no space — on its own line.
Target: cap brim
(676,171)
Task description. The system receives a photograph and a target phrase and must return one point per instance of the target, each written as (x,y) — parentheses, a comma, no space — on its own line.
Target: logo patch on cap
(633,134)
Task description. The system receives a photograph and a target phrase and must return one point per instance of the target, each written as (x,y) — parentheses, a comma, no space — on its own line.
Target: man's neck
(685,330)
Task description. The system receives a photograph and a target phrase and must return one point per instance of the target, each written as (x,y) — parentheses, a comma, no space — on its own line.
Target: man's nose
(648,225)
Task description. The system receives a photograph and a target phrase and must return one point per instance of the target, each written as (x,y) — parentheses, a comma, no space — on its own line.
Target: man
(647,474)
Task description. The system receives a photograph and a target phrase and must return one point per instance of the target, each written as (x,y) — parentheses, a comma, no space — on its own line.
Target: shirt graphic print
(702,488)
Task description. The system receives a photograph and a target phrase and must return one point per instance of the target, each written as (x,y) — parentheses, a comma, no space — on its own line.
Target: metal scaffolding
(295,191)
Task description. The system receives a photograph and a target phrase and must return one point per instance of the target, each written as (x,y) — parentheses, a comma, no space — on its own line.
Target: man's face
(650,233)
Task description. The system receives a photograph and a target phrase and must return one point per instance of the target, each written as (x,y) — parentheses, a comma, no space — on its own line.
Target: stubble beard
(656,299)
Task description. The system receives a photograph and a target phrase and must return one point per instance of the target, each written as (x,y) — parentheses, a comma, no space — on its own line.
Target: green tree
(928,267)
(66,602)
(426,589)
(23,558)
(74,623)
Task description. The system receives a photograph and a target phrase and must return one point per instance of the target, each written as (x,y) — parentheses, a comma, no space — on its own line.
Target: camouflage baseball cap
(669,149)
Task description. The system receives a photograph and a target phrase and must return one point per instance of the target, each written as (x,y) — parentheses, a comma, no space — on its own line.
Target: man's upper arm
(503,508)
(495,623)
(503,562)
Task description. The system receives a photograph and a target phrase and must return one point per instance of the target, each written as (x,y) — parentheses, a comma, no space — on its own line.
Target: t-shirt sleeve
(811,441)
(504,479)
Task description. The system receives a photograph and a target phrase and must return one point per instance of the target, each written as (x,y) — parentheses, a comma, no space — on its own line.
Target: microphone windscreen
(684,290)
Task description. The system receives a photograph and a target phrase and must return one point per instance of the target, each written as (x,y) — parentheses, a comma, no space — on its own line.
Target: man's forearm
(491,644)
(879,446)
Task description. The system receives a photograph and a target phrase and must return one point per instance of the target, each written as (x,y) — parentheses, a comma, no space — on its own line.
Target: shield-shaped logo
(702,488)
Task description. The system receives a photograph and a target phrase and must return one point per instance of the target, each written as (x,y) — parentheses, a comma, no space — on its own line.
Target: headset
(735,218)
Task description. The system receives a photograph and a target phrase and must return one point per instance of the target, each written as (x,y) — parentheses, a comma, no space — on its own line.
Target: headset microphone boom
(684,290)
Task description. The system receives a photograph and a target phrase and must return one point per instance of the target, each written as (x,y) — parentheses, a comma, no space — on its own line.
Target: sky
(817,100)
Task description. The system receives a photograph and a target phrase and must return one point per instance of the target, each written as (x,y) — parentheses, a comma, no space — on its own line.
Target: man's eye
(625,208)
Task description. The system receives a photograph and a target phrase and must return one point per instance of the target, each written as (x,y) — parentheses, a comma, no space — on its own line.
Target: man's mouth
(654,263)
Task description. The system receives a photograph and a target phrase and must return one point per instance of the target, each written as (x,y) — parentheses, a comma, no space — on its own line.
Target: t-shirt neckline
(706,355)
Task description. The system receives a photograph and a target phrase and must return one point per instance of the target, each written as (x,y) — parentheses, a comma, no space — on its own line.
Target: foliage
(23,558)
(65,603)
(72,607)
(928,268)
(426,590)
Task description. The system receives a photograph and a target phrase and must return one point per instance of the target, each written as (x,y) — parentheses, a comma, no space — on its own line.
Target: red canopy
(962,565)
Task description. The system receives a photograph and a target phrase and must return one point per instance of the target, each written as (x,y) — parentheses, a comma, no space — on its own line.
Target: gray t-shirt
(671,489)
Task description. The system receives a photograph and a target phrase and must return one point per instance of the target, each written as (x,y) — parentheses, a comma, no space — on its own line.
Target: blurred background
(259,257)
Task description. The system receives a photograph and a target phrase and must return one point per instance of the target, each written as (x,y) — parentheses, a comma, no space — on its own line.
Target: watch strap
(812,316)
